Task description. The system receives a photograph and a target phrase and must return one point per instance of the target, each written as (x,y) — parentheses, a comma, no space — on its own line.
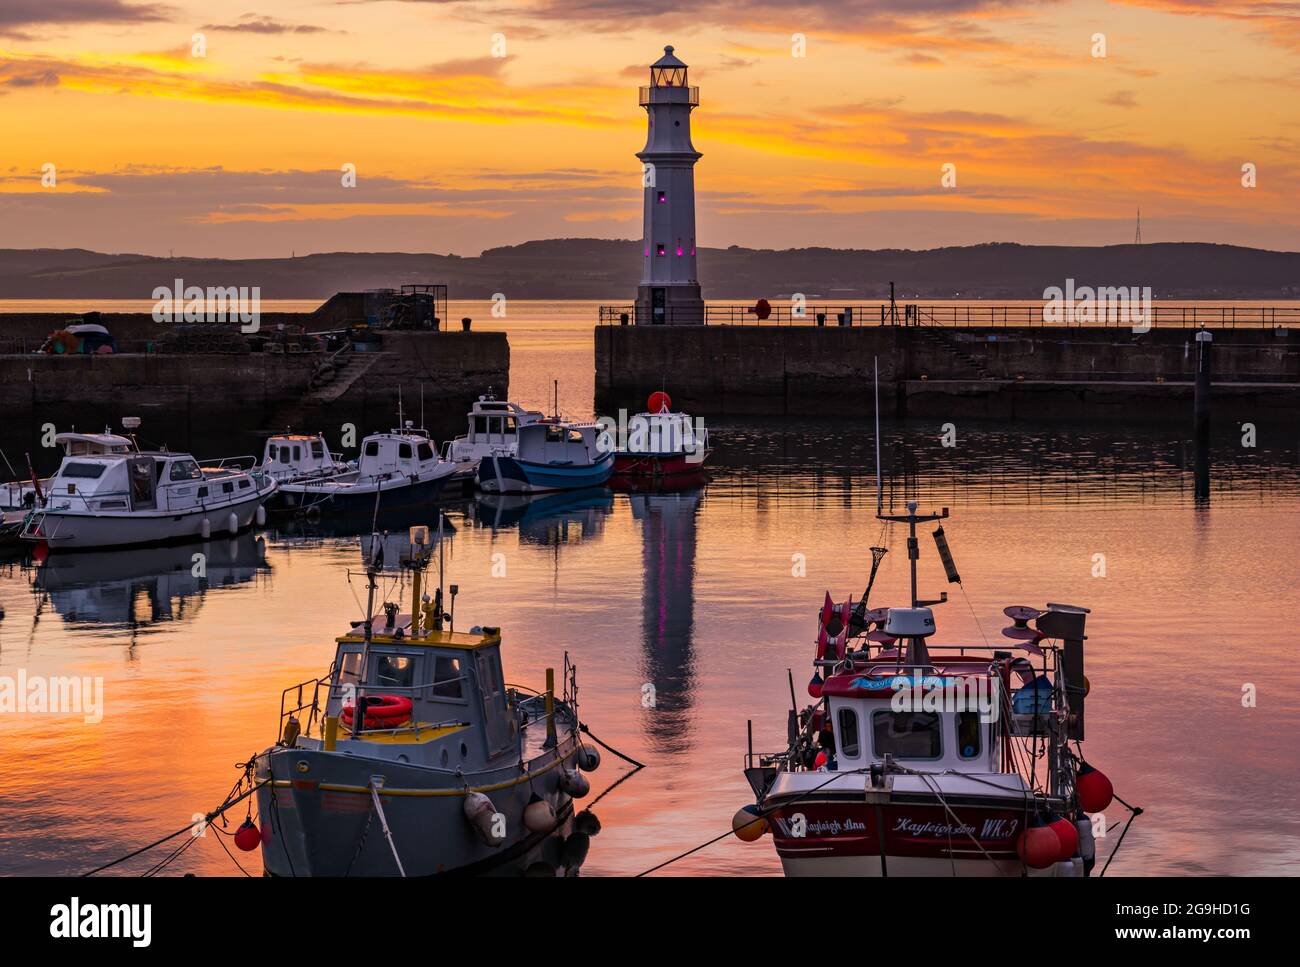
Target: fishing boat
(551,454)
(22,494)
(402,465)
(121,499)
(296,457)
(916,759)
(413,757)
(660,443)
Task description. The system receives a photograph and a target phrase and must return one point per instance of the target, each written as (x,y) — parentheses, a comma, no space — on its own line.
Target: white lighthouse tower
(669,293)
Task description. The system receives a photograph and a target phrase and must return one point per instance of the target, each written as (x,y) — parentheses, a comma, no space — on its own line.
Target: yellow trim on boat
(434,639)
(415,734)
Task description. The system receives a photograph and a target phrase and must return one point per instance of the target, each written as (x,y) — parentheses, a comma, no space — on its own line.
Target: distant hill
(584,268)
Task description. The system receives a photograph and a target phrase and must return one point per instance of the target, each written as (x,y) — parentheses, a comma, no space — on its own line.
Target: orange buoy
(749,824)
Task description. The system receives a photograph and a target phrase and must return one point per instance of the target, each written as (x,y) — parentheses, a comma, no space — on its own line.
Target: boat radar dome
(909,623)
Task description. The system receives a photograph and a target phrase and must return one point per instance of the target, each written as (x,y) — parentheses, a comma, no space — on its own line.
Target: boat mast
(911,519)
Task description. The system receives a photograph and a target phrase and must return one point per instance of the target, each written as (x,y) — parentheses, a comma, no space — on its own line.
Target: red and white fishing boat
(916,759)
(661,443)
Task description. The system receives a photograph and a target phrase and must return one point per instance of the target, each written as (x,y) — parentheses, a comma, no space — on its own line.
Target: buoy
(1068,836)
(1087,845)
(823,757)
(232,523)
(1038,846)
(749,824)
(1095,790)
(248,837)
(205,529)
(815,685)
(586,822)
(482,818)
(573,851)
(659,402)
(539,817)
(762,308)
(588,758)
(261,516)
(574,783)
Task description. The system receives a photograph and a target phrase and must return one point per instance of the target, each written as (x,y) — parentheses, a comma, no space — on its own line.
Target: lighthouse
(669,293)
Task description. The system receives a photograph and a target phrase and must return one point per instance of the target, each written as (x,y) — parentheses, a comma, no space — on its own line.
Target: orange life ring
(382,711)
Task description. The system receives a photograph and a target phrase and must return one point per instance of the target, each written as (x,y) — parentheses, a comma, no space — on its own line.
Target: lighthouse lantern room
(669,293)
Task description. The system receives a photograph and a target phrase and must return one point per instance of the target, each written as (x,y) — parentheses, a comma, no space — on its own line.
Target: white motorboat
(120,499)
(402,467)
(23,494)
(295,457)
(493,431)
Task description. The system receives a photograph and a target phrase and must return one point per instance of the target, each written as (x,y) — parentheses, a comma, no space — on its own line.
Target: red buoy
(659,402)
(762,308)
(822,758)
(815,686)
(1038,846)
(248,837)
(1095,790)
(1067,834)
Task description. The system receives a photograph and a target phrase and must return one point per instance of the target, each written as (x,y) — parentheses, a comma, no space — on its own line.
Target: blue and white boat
(551,454)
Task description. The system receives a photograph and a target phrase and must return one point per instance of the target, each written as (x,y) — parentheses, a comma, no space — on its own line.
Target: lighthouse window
(660,249)
(663,197)
(907,735)
(848,737)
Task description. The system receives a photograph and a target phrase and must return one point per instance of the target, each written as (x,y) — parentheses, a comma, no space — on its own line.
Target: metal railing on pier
(959,315)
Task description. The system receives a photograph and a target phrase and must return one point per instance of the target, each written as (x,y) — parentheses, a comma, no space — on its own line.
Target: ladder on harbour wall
(944,342)
(331,379)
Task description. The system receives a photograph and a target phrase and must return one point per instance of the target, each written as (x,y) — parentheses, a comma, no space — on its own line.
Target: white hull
(76,529)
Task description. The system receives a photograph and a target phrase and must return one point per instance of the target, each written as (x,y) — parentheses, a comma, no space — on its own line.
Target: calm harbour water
(693,593)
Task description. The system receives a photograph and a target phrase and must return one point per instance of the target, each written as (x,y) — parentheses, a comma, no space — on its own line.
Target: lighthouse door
(658,309)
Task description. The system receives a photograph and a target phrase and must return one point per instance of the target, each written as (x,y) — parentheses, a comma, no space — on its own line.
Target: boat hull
(66,529)
(324,498)
(842,836)
(510,475)
(658,465)
(320,820)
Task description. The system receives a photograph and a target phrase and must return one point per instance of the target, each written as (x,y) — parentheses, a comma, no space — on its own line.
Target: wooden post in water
(1201,413)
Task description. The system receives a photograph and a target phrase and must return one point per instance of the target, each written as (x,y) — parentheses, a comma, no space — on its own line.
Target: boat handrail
(226,463)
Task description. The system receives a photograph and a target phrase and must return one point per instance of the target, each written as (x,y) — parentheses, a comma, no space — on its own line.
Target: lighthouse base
(678,304)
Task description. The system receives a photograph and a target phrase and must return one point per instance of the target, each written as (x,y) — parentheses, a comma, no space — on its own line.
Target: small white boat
(493,431)
(552,454)
(295,457)
(143,497)
(22,494)
(401,466)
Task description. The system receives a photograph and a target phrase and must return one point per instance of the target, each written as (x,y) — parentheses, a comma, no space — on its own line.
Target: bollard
(1201,413)
(622,319)
(821,318)
(465,323)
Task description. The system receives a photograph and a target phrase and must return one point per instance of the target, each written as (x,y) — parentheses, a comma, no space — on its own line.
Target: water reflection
(144,586)
(548,519)
(668,522)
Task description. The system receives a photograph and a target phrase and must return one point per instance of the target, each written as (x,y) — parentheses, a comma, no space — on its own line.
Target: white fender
(205,528)
(481,816)
(232,523)
(539,817)
(261,516)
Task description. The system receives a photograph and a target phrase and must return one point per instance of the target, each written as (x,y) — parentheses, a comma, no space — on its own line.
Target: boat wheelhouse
(120,499)
(293,457)
(413,757)
(493,429)
(401,467)
(24,494)
(552,454)
(662,443)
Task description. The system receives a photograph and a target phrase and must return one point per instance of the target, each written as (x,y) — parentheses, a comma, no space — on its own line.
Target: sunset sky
(239,152)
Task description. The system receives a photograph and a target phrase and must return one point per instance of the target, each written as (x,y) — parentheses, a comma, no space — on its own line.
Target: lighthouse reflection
(140,587)
(668,523)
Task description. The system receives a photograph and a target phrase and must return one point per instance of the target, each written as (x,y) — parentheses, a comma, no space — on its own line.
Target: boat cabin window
(424,452)
(404,451)
(297,453)
(270,452)
(372,448)
(968,734)
(350,670)
(317,449)
(186,470)
(480,424)
(848,733)
(284,454)
(508,426)
(446,677)
(575,436)
(395,671)
(84,471)
(907,735)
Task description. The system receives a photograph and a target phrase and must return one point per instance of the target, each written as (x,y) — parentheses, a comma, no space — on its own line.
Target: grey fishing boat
(413,757)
